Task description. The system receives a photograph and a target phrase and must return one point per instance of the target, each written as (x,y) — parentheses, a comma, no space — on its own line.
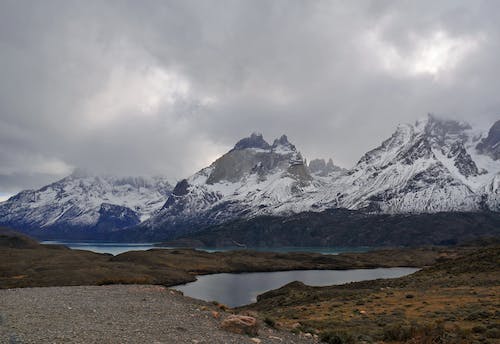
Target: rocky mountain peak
(241,161)
(255,140)
(317,165)
(441,131)
(322,168)
(490,145)
(283,142)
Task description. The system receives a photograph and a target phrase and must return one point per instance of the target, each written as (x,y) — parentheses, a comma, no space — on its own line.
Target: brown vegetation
(454,301)
(25,263)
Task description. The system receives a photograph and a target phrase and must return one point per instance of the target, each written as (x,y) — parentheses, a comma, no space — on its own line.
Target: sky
(165,87)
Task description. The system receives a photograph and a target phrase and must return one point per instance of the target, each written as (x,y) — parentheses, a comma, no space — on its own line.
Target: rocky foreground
(120,314)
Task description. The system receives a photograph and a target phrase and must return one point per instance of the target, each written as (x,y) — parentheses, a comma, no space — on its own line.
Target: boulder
(241,324)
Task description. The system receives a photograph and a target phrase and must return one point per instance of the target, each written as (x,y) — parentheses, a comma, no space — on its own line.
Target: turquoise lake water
(117,248)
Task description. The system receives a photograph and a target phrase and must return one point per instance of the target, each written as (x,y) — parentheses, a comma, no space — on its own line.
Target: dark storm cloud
(163,87)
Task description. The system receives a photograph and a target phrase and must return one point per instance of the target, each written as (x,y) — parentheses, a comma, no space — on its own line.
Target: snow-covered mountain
(252,178)
(432,166)
(82,200)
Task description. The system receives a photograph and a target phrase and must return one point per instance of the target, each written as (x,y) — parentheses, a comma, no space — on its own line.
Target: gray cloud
(164,87)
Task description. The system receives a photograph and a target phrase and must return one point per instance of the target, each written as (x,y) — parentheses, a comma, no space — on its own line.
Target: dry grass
(431,306)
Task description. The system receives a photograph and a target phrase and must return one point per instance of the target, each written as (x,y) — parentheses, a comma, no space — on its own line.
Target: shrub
(270,322)
(337,338)
(479,329)
(398,332)
(493,333)
(424,334)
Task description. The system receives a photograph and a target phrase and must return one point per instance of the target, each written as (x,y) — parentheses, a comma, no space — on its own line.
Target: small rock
(277,338)
(256,340)
(215,314)
(252,314)
(308,335)
(241,324)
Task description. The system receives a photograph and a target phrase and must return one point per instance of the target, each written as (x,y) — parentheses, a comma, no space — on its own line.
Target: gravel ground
(116,314)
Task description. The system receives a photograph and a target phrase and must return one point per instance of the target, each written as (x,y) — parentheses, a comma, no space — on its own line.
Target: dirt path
(116,314)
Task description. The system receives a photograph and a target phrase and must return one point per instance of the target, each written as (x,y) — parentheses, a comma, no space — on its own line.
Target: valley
(453,299)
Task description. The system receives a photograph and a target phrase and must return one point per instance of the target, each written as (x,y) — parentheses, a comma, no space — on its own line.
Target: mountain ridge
(429,167)
(85,201)
(432,166)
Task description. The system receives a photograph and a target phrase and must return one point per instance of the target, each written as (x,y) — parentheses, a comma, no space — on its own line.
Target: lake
(117,248)
(236,290)
(103,247)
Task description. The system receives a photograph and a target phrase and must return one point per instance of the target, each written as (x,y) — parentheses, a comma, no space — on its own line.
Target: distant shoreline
(27,263)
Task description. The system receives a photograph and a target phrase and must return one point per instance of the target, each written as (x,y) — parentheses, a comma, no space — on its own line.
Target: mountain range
(431,166)
(82,204)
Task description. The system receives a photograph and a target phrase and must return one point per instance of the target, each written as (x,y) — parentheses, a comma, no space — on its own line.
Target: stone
(276,338)
(241,324)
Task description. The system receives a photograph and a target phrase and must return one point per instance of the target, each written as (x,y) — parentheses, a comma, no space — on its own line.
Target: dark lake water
(117,248)
(240,289)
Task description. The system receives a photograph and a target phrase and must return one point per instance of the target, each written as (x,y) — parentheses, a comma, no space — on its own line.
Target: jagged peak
(431,121)
(490,145)
(283,142)
(255,140)
(495,129)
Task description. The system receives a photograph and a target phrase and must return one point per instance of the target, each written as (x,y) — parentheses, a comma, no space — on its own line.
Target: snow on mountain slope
(424,167)
(430,166)
(434,165)
(252,178)
(84,200)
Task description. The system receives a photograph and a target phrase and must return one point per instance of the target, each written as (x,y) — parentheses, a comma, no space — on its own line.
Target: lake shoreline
(456,285)
(116,248)
(26,263)
(240,289)
(452,301)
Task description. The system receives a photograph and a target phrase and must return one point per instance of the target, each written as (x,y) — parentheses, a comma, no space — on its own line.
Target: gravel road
(117,314)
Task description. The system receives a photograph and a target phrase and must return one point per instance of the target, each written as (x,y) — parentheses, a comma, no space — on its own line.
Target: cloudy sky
(164,87)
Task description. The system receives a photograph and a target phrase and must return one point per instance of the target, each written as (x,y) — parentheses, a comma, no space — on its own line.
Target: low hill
(13,239)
